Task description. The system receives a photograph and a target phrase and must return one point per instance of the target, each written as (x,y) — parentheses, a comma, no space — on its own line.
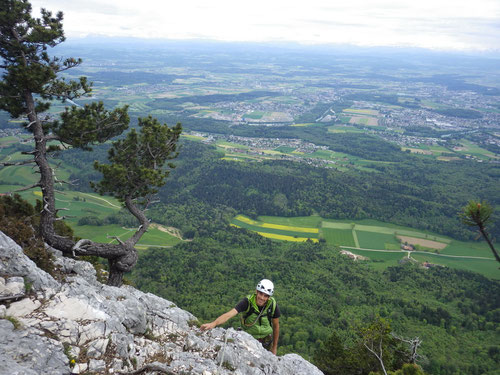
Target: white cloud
(442,24)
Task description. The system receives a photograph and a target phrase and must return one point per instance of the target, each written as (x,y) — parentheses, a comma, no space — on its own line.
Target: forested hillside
(417,192)
(321,293)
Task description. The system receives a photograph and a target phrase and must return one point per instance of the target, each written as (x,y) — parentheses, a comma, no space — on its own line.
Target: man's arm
(276,335)
(220,320)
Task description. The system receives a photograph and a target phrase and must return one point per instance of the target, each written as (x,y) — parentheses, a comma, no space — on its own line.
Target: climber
(260,316)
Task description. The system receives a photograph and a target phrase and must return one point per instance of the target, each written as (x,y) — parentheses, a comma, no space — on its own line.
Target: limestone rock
(25,353)
(105,329)
(13,262)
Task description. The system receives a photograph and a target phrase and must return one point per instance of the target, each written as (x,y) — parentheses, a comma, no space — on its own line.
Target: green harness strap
(270,308)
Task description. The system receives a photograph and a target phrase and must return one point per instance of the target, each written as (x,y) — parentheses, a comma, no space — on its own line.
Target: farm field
(469,148)
(344,129)
(379,242)
(277,231)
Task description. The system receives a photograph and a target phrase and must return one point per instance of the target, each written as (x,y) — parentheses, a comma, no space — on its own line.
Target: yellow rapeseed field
(286,238)
(289,228)
(249,221)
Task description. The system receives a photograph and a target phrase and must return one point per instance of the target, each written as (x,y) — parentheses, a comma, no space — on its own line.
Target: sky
(452,25)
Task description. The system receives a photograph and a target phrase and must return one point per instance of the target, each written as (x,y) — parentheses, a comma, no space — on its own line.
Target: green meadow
(153,238)
(76,205)
(338,237)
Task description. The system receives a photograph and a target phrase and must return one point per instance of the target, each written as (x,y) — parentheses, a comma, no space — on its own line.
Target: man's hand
(274,349)
(207,326)
(220,320)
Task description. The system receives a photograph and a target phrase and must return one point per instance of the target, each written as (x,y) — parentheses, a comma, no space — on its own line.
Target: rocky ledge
(80,326)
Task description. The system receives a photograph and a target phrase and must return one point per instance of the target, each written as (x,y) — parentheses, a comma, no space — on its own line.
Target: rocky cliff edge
(80,326)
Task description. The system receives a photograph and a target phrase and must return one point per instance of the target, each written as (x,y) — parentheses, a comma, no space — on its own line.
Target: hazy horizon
(445,25)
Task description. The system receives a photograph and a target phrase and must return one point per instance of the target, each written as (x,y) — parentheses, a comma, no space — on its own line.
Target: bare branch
(30,124)
(24,162)
(27,187)
(14,297)
(80,243)
(148,367)
(46,206)
(379,357)
(72,182)
(117,239)
(64,217)
(414,344)
(52,137)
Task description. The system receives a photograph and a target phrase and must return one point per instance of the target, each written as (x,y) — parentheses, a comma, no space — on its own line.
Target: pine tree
(30,82)
(479,214)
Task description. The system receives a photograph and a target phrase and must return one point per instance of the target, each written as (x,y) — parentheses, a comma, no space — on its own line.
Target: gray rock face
(106,329)
(15,263)
(23,352)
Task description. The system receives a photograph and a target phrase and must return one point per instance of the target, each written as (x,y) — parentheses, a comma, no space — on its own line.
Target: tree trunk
(119,265)
(121,258)
(487,238)
(46,182)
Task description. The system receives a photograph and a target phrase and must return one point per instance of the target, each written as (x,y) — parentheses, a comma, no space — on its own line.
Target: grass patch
(371,112)
(380,237)
(284,149)
(380,260)
(488,268)
(255,115)
(338,236)
(313,221)
(344,129)
(374,240)
(478,249)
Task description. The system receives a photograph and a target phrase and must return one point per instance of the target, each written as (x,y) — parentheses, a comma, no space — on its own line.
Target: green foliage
(136,168)
(479,214)
(335,358)
(67,353)
(14,321)
(25,38)
(18,221)
(459,112)
(376,337)
(90,124)
(476,213)
(408,369)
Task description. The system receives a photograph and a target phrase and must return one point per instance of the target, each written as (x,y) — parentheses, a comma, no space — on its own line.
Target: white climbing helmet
(266,286)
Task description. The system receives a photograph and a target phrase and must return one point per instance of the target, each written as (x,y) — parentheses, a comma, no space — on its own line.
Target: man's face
(261,298)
